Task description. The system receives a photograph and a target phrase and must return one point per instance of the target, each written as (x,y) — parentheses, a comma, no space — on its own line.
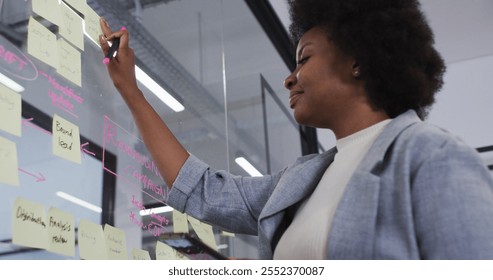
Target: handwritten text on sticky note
(165,252)
(115,243)
(91,24)
(204,232)
(71,27)
(180,222)
(91,240)
(10,111)
(139,254)
(41,43)
(69,62)
(61,232)
(66,139)
(49,9)
(8,162)
(29,226)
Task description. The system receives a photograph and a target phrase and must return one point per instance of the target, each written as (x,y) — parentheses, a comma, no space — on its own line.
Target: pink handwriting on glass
(16,63)
(62,97)
(117,138)
(157,224)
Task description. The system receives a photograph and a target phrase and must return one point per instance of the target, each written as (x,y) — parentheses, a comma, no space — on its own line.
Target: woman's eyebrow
(302,48)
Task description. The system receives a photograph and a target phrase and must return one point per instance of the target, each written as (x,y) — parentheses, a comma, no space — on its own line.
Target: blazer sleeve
(453,204)
(230,202)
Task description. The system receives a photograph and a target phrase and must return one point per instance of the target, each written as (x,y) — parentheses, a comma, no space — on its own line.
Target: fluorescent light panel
(79,202)
(160,92)
(10,83)
(222,246)
(157,210)
(154,87)
(248,167)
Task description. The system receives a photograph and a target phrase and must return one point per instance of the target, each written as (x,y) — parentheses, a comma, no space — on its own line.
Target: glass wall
(212,56)
(221,44)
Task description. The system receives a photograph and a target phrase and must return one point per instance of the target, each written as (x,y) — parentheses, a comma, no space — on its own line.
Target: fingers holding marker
(118,40)
(110,35)
(111,51)
(115,39)
(122,35)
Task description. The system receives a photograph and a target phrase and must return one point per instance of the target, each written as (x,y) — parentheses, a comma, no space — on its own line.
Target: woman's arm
(168,154)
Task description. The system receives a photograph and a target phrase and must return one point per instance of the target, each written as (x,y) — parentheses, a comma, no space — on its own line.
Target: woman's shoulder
(428,135)
(426,140)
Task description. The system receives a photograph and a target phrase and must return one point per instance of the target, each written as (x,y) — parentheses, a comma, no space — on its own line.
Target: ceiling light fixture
(157,210)
(10,83)
(154,87)
(79,202)
(160,92)
(248,167)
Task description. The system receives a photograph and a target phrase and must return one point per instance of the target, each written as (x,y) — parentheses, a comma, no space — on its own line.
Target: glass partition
(212,57)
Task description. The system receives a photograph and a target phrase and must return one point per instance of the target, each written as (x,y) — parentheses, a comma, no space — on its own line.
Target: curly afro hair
(390,39)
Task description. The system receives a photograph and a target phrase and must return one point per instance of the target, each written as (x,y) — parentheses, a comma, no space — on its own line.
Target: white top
(307,236)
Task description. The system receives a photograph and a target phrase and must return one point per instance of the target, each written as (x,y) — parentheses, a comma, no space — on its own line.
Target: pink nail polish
(124,28)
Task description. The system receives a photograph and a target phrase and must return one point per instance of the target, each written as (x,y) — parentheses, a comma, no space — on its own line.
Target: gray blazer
(419,193)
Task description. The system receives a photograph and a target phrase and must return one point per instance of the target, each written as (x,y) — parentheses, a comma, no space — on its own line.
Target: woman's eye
(303,60)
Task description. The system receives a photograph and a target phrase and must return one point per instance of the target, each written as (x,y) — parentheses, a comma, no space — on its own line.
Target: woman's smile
(293,98)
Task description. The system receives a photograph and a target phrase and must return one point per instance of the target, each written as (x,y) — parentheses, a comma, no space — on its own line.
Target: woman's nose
(290,81)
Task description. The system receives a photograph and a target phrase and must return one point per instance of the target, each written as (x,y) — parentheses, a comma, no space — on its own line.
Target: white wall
(465,104)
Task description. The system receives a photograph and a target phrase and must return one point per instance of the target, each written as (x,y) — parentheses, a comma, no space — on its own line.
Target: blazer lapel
(297,183)
(354,224)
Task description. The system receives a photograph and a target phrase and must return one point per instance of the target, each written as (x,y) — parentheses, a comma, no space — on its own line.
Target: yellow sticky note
(91,25)
(139,254)
(66,139)
(165,252)
(29,226)
(69,62)
(71,27)
(116,245)
(61,232)
(78,5)
(48,9)
(204,232)
(41,43)
(8,162)
(180,222)
(91,240)
(225,233)
(10,111)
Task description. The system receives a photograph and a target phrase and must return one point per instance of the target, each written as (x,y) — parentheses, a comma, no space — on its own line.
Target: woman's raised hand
(121,67)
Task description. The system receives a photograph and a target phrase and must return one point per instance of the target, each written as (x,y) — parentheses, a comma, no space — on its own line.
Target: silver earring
(356,73)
